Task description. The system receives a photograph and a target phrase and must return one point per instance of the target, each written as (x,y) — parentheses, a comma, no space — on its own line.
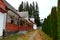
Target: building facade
(11,21)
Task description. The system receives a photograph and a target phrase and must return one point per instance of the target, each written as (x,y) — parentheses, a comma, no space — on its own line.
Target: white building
(24,14)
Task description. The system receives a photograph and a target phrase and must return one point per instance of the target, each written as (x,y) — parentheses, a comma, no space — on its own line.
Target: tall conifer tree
(58,20)
(37,18)
(21,7)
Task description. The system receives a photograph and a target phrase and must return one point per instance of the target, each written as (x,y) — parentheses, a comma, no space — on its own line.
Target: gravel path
(31,37)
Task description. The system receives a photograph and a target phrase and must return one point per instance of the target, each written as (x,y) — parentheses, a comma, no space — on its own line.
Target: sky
(44,6)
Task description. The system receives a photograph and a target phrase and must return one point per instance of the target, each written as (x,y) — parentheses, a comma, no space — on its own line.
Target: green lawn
(11,37)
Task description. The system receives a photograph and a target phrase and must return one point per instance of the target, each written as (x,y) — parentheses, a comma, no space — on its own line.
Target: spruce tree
(54,23)
(31,10)
(44,25)
(58,20)
(26,8)
(51,24)
(21,7)
(36,14)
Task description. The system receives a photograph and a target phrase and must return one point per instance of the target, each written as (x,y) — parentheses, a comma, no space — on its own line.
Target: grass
(11,37)
(15,36)
(26,36)
(45,36)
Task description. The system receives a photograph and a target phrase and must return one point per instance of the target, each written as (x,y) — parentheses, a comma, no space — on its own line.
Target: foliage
(36,14)
(50,24)
(58,20)
(21,7)
(33,11)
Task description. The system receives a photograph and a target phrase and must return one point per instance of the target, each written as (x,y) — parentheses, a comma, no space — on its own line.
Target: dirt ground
(35,35)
